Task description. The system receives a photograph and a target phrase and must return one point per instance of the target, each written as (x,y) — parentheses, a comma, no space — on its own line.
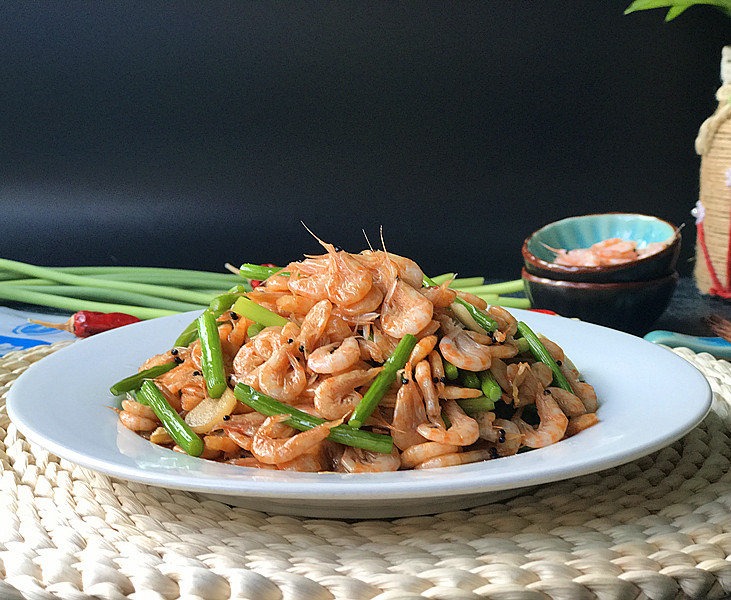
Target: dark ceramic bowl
(582,232)
(632,307)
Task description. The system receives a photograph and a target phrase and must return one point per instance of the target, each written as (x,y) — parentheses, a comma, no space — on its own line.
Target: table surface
(689,308)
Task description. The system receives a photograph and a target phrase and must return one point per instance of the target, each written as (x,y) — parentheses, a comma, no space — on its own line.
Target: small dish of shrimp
(603,248)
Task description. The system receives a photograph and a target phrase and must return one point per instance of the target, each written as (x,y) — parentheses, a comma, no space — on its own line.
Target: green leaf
(676,7)
(675,11)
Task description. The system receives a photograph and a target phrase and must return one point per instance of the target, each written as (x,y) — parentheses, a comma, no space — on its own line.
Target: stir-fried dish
(613,251)
(356,363)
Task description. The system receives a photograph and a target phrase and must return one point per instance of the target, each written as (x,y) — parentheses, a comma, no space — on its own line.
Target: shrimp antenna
(365,235)
(390,262)
(547,247)
(312,233)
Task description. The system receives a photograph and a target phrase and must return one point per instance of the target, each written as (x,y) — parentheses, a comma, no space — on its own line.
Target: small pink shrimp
(408,270)
(241,428)
(507,323)
(246,360)
(239,333)
(455,458)
(294,305)
(570,404)
(193,393)
(552,426)
(220,444)
(424,379)
(304,463)
(580,423)
(587,394)
(385,343)
(503,437)
(267,341)
(524,384)
(346,282)
(463,430)
(461,349)
(408,414)
(437,370)
(472,299)
(265,298)
(349,283)
(369,304)
(313,286)
(273,450)
(357,460)
(136,422)
(651,248)
(336,396)
(385,267)
(336,329)
(369,350)
(405,310)
(457,392)
(419,453)
(334,357)
(277,283)
(176,378)
(252,463)
(440,297)
(282,376)
(138,417)
(422,349)
(313,326)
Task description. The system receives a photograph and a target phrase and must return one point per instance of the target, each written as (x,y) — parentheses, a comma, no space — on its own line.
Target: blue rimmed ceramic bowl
(581,232)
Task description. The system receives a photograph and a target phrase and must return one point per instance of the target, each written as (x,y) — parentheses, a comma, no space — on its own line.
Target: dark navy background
(190,134)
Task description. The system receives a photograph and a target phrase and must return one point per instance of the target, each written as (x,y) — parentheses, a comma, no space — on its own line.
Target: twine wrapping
(658,528)
(713,241)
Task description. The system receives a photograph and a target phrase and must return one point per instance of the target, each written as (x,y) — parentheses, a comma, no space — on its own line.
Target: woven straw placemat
(658,528)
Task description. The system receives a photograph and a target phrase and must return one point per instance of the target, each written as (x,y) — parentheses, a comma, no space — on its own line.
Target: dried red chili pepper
(255,282)
(86,323)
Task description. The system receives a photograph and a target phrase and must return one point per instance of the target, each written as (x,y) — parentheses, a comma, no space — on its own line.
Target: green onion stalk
(300,420)
(178,429)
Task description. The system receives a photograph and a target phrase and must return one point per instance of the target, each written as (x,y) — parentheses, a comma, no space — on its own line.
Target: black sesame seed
(196,373)
(174,352)
(178,360)
(435,379)
(404,380)
(501,436)
(302,349)
(442,379)
(547,392)
(234,316)
(493,453)
(290,340)
(226,417)
(559,363)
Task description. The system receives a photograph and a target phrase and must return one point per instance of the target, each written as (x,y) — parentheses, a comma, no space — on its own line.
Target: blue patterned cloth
(16,333)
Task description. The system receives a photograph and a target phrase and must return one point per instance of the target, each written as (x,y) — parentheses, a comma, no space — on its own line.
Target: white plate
(649,397)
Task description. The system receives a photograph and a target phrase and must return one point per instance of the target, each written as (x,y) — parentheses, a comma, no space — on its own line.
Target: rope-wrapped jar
(713,210)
